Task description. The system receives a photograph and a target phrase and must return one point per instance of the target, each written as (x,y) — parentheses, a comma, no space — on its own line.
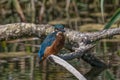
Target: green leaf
(114,18)
(102,9)
(109,75)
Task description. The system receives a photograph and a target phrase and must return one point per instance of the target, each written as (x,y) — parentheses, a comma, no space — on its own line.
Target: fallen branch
(66,65)
(18,30)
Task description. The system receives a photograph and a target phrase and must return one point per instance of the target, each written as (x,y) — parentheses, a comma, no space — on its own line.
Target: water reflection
(28,69)
(25,69)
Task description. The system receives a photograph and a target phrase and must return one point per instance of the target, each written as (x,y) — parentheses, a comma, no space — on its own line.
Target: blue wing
(47,42)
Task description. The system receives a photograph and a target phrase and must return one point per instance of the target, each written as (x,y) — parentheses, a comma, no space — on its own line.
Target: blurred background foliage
(81,15)
(72,13)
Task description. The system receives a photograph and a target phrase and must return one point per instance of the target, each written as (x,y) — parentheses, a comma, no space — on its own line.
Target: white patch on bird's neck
(58,33)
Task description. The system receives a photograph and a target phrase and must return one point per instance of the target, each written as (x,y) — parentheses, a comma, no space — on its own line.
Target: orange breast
(56,46)
(49,51)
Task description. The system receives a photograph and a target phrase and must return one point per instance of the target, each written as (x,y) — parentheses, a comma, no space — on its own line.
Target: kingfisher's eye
(56,29)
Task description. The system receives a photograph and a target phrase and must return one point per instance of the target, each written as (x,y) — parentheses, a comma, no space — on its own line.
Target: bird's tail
(41,60)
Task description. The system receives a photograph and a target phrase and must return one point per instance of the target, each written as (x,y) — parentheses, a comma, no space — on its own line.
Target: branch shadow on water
(97,66)
(94,73)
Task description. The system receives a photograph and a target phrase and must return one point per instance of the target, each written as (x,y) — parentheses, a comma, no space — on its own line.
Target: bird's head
(59,28)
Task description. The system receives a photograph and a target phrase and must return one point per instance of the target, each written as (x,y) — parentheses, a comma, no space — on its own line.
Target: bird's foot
(51,61)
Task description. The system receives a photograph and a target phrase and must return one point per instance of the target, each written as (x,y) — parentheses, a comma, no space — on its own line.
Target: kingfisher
(53,43)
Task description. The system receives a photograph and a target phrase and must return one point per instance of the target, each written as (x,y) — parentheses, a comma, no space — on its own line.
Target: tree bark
(83,40)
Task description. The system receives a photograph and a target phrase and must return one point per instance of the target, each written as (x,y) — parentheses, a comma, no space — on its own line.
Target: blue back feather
(47,42)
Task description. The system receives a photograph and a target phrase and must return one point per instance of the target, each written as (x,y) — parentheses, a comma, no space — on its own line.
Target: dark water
(29,69)
(23,69)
